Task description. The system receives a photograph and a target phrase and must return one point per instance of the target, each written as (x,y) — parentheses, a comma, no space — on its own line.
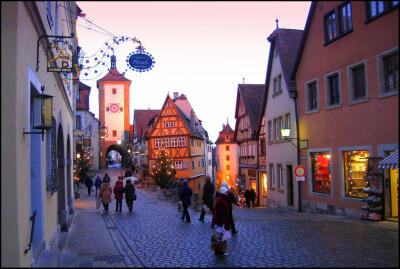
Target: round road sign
(300,171)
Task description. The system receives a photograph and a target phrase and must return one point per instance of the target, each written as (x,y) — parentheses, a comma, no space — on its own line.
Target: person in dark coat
(231,201)
(107,178)
(179,193)
(97,183)
(186,196)
(221,218)
(252,197)
(208,197)
(118,194)
(128,172)
(89,184)
(129,194)
(247,196)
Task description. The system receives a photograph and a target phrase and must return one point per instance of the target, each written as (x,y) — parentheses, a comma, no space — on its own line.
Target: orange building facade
(227,152)
(347,81)
(179,135)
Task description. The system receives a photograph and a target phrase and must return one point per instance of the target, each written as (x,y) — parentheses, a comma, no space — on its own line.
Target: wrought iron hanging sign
(62,59)
(96,65)
(140,61)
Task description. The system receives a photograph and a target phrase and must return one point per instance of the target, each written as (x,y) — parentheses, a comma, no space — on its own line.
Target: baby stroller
(218,240)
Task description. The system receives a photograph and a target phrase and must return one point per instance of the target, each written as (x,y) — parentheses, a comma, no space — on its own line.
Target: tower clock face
(114,108)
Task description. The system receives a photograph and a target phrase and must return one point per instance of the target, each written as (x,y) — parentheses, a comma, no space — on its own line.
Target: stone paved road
(155,236)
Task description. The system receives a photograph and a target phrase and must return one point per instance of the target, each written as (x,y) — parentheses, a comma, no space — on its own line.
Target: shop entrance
(289,176)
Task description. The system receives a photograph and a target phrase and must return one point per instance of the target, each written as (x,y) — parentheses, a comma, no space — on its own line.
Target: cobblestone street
(155,236)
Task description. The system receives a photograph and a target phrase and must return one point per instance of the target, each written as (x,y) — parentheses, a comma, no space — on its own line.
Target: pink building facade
(346,73)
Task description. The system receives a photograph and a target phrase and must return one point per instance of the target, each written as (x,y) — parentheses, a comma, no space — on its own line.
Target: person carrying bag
(130,194)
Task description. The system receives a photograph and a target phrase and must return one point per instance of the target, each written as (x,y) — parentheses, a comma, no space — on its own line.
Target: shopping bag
(98,200)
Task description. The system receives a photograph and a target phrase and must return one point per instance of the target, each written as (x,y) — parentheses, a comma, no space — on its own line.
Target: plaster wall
(114,121)
(279,152)
(364,124)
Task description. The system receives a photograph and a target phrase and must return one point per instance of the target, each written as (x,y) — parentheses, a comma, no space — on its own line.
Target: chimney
(176,95)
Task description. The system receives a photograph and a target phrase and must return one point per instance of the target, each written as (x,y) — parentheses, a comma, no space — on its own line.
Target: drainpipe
(293,95)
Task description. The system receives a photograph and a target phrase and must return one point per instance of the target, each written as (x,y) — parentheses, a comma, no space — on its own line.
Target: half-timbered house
(248,107)
(182,137)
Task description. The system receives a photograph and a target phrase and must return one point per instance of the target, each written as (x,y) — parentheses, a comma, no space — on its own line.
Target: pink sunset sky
(201,49)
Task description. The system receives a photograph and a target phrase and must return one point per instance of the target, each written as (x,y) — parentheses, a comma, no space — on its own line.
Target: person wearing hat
(231,201)
(221,216)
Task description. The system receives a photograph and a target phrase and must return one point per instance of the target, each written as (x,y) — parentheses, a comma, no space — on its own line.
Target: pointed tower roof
(113,74)
(226,136)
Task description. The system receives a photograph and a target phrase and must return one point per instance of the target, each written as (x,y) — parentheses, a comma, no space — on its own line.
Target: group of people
(104,190)
(221,208)
(250,196)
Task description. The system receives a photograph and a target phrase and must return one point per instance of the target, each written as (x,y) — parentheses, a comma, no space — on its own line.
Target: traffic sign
(300,171)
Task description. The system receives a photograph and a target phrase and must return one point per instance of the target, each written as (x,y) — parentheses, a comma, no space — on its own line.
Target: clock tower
(113,109)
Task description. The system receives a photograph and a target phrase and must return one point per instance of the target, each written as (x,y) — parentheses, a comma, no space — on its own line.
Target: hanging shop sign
(140,61)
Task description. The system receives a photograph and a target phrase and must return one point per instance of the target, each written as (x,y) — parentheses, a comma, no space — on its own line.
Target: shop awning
(391,161)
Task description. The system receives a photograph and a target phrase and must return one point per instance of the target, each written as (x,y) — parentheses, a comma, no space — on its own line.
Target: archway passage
(125,162)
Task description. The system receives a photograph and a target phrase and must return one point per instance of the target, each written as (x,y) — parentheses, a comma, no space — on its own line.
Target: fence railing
(32,219)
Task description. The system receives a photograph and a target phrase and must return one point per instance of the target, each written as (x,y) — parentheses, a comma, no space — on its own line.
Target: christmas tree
(163,170)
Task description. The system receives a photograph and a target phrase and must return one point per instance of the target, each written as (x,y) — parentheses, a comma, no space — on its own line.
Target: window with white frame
(357,82)
(287,121)
(332,82)
(178,165)
(277,84)
(166,142)
(389,72)
(280,176)
(171,124)
(182,141)
(157,143)
(271,176)
(311,96)
(281,125)
(276,130)
(174,142)
(166,124)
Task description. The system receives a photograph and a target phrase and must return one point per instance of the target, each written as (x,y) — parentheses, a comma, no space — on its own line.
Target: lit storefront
(355,167)
(321,172)
(391,169)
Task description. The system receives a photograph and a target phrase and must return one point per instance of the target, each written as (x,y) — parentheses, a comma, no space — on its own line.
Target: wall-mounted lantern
(285,133)
(42,113)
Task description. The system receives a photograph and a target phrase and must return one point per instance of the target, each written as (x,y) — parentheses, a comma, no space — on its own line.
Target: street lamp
(42,113)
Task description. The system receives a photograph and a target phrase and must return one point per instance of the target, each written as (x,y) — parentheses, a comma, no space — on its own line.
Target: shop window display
(355,168)
(321,172)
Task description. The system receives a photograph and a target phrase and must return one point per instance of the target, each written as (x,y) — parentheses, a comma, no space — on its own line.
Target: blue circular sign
(140,61)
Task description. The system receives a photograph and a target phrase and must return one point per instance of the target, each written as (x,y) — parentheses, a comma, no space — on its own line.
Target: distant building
(248,106)
(227,155)
(87,126)
(347,77)
(143,121)
(114,112)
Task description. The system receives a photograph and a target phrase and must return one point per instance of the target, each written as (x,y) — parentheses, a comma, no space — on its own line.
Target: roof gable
(226,131)
(252,97)
(142,119)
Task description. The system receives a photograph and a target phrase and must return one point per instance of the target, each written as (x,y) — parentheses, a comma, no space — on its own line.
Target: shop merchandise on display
(373,204)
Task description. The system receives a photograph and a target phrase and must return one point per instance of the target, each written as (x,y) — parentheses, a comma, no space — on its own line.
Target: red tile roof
(141,119)
(113,75)
(252,97)
(82,103)
(226,131)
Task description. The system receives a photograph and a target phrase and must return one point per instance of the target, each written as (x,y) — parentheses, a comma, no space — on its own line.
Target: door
(394,192)
(289,176)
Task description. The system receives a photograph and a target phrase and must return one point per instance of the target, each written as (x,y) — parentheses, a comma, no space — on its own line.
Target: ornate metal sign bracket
(38,44)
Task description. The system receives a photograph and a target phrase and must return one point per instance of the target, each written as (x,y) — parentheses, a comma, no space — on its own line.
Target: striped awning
(391,161)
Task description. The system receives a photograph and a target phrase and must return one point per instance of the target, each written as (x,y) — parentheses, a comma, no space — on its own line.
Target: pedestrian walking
(222,220)
(118,194)
(208,197)
(105,194)
(231,201)
(106,178)
(179,193)
(186,195)
(89,184)
(252,197)
(247,196)
(130,194)
(97,183)
(128,172)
